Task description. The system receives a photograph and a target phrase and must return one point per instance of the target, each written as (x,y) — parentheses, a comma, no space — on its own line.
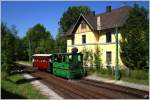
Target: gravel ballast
(43,88)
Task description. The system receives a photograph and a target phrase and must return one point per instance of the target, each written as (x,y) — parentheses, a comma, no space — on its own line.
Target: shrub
(87,58)
(97,58)
(138,74)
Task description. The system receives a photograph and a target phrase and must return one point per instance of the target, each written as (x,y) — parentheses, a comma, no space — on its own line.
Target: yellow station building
(98,29)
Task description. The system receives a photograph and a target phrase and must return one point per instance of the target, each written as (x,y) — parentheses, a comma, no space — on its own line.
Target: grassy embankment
(134,76)
(16,86)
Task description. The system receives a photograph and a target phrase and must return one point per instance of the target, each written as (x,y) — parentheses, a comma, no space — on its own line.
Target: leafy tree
(67,19)
(134,43)
(17,48)
(40,39)
(71,15)
(97,58)
(61,43)
(8,41)
(23,52)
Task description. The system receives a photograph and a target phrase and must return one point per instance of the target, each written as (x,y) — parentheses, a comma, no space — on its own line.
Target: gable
(74,27)
(82,27)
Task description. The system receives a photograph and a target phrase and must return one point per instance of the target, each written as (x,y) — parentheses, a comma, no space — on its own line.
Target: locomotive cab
(68,65)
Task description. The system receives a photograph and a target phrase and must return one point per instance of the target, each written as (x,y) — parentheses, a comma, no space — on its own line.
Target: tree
(70,16)
(23,51)
(8,41)
(61,43)
(40,39)
(134,43)
(17,48)
(97,58)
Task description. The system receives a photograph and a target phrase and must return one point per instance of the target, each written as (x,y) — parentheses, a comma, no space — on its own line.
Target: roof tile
(108,20)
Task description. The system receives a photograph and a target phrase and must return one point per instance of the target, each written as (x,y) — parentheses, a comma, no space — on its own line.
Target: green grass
(111,77)
(13,90)
(135,76)
(132,80)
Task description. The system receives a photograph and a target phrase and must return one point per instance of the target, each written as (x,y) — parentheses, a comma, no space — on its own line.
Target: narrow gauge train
(67,65)
(42,61)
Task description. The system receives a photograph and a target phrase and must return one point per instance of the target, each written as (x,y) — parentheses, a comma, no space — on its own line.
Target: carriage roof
(38,56)
(65,53)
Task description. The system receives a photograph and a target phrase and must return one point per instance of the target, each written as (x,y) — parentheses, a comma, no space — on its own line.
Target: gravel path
(121,83)
(43,88)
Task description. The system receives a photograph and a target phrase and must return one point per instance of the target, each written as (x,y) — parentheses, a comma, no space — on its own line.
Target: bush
(106,71)
(135,74)
(138,74)
(90,70)
(97,58)
(85,57)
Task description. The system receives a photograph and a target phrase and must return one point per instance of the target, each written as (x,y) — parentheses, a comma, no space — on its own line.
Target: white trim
(42,55)
(91,44)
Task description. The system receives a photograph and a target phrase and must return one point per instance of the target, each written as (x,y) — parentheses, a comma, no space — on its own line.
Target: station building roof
(107,20)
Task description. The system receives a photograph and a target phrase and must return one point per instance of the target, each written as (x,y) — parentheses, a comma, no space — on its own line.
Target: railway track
(84,88)
(129,92)
(74,90)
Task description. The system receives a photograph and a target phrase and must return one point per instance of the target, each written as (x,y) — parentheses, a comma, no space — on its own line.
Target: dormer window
(83,25)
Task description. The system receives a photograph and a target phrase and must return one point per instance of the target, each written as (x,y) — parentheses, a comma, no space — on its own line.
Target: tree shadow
(14,72)
(23,81)
(8,95)
(19,69)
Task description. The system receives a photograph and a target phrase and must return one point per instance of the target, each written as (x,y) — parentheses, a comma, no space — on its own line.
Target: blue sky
(25,14)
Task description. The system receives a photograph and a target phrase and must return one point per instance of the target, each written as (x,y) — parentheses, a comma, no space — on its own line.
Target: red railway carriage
(42,61)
